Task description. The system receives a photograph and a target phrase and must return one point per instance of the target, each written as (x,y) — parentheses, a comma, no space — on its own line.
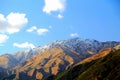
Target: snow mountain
(84,47)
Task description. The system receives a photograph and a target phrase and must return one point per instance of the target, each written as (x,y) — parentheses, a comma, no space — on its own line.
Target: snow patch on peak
(80,45)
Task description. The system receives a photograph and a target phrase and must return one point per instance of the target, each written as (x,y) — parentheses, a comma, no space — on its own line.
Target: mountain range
(105,67)
(53,58)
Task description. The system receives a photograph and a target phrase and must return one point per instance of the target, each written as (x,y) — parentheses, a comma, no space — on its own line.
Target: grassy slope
(107,68)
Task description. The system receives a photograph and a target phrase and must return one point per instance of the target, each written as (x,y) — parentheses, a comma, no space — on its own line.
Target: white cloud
(42,31)
(12,23)
(3,38)
(39,31)
(60,16)
(24,45)
(74,35)
(33,28)
(2,18)
(54,5)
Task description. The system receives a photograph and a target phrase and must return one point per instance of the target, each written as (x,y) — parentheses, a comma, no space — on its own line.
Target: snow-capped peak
(80,45)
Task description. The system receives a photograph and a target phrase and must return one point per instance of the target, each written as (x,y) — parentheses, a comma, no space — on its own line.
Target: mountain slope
(85,47)
(7,61)
(53,58)
(100,54)
(82,46)
(52,61)
(106,68)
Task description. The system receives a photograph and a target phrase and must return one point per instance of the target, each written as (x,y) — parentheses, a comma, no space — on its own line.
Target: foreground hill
(105,68)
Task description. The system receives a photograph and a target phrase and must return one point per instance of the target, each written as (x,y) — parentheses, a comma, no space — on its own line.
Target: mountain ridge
(81,46)
(55,57)
(104,68)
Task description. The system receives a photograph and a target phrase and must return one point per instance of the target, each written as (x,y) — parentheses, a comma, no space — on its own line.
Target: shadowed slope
(105,68)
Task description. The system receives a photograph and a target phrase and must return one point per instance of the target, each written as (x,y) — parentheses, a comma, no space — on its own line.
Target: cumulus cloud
(12,23)
(74,35)
(60,16)
(33,28)
(54,5)
(39,31)
(2,18)
(24,45)
(3,38)
(42,31)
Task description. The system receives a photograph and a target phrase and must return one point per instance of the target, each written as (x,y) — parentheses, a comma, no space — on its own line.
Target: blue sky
(26,24)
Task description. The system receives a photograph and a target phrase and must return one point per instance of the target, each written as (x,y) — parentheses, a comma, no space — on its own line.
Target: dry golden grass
(50,61)
(96,56)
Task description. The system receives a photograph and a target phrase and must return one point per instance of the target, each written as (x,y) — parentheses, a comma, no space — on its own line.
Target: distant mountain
(52,58)
(64,55)
(84,47)
(8,61)
(104,68)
